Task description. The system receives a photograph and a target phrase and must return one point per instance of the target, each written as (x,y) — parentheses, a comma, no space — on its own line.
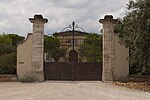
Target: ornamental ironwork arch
(73,28)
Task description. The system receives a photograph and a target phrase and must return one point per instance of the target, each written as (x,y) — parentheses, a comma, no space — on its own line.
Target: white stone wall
(108,48)
(37,49)
(32,50)
(114,67)
(121,61)
(24,61)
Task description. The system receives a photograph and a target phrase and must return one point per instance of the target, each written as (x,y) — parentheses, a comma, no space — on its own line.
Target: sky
(14,14)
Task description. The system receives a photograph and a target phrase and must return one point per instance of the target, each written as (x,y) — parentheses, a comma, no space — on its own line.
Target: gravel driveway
(68,91)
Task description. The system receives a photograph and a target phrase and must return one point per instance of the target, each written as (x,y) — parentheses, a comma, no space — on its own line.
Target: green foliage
(53,48)
(5,40)
(8,50)
(10,39)
(15,39)
(8,63)
(134,31)
(91,49)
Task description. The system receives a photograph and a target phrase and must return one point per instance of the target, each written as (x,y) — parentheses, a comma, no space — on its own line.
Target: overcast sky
(14,14)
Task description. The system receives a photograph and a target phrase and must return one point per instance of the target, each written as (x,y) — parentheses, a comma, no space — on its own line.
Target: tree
(134,31)
(8,63)
(5,40)
(8,50)
(8,43)
(91,49)
(16,39)
(53,48)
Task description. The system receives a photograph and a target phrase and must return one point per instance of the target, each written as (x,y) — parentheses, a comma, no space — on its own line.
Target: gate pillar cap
(108,18)
(38,17)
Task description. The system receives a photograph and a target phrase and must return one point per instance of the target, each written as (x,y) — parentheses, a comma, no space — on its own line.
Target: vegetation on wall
(134,31)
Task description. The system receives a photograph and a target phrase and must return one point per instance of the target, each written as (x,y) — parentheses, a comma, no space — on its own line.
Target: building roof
(69,33)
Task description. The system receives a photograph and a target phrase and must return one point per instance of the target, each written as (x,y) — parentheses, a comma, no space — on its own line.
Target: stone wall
(121,70)
(115,64)
(38,46)
(30,52)
(139,78)
(24,60)
(8,78)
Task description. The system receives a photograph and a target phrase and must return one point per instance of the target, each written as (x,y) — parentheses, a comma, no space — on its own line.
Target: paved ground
(68,91)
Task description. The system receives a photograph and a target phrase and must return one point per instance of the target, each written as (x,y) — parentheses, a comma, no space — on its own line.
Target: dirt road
(68,91)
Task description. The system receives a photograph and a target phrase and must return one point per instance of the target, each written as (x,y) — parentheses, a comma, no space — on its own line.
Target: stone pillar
(108,48)
(38,46)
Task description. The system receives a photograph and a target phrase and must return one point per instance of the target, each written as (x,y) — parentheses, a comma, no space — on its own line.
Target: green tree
(16,39)
(8,50)
(91,49)
(134,31)
(5,40)
(8,63)
(53,48)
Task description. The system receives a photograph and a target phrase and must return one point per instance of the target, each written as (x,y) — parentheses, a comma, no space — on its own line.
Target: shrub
(8,63)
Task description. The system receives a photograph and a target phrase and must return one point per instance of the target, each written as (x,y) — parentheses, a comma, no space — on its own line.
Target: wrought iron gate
(68,60)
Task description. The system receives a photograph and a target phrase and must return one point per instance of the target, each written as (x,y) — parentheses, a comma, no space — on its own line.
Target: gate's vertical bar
(73,25)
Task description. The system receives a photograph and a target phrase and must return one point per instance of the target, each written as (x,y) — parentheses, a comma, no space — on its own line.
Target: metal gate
(81,71)
(73,55)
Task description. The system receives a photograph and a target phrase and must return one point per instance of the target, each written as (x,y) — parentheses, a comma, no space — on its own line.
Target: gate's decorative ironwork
(73,27)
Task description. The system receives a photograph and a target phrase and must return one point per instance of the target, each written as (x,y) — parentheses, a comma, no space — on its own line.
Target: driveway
(68,91)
